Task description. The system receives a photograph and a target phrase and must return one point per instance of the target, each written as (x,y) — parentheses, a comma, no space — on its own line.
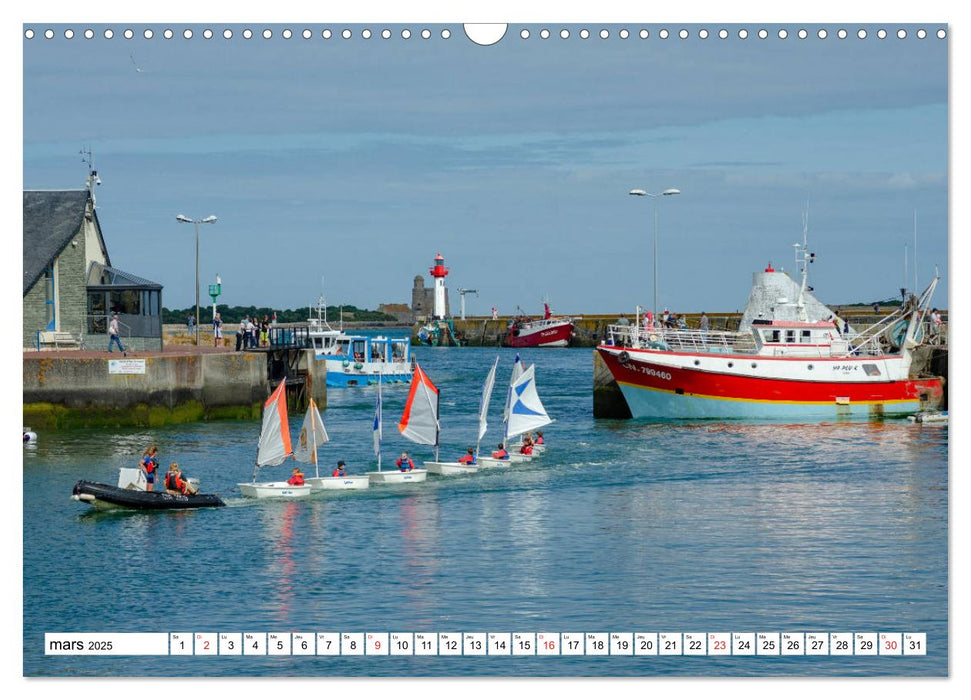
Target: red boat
(787,366)
(547,332)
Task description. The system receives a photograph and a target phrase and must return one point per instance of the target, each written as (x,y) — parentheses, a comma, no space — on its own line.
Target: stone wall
(79,392)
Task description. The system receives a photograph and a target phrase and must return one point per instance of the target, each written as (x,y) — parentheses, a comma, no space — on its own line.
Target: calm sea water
(622,526)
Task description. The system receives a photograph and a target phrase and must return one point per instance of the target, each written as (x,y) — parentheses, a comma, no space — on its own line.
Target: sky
(344,165)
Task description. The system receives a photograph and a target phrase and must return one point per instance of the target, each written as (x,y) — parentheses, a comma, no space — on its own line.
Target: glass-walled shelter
(137,301)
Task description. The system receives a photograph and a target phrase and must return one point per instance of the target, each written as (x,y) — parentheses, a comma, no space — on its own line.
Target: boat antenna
(915,251)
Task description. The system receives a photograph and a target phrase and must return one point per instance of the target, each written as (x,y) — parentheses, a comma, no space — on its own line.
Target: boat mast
(313,433)
(803,257)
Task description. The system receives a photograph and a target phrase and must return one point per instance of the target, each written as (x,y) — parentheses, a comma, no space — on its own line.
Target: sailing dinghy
(396,476)
(273,450)
(313,433)
(525,413)
(455,468)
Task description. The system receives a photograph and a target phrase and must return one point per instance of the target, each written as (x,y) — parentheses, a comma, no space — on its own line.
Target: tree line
(235,314)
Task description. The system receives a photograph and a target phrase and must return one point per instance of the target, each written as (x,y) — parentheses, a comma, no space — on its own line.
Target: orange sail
(419,422)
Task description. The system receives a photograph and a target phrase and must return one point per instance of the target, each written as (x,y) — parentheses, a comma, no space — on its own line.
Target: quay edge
(65,391)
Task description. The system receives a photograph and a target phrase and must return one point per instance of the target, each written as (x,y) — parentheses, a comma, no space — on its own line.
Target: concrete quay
(87,388)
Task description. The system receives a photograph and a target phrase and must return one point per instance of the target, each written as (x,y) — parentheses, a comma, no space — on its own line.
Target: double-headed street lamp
(186,220)
(655,197)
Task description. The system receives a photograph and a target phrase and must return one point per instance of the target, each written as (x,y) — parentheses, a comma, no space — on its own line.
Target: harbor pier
(85,388)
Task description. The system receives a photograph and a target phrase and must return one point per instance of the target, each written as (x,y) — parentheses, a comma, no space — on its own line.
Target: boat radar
(439,272)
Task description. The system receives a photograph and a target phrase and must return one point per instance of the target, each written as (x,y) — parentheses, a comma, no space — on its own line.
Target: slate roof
(105,276)
(51,219)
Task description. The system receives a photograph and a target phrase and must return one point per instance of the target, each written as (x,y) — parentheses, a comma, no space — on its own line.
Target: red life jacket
(500,454)
(406,466)
(539,440)
(173,482)
(526,449)
(148,464)
(467,459)
(296,480)
(338,472)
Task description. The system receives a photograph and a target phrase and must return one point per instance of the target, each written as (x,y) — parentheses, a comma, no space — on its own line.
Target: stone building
(70,287)
(423,300)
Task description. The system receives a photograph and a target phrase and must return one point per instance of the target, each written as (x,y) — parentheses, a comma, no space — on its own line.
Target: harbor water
(622,526)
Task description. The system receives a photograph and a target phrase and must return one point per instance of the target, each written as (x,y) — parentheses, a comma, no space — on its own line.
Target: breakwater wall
(69,392)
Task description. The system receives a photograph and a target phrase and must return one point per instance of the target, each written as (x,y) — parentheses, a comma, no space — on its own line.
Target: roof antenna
(92,180)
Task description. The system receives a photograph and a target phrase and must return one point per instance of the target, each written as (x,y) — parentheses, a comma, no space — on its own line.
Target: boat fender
(358,365)
(623,357)
(346,363)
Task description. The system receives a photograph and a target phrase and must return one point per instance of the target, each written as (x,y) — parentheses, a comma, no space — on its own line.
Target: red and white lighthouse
(439,272)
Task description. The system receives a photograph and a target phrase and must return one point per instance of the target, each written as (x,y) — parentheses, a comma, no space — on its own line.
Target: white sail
(490,382)
(419,422)
(525,410)
(378,425)
(517,371)
(274,445)
(312,434)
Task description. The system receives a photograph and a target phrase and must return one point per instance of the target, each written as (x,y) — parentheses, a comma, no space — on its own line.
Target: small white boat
(30,437)
(333,483)
(935,417)
(273,449)
(389,476)
(312,434)
(273,489)
(398,477)
(450,468)
(492,463)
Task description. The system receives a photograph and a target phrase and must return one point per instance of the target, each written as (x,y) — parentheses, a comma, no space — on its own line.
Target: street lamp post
(186,220)
(655,197)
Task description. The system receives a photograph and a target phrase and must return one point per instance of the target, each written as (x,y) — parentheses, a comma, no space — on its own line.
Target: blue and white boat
(358,360)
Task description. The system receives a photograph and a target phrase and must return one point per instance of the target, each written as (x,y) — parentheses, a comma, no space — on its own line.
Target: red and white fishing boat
(547,332)
(787,364)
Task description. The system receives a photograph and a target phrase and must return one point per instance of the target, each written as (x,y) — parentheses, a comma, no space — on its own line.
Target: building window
(50,298)
(126,302)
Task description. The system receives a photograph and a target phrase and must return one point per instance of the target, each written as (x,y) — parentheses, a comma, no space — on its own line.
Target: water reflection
(278,520)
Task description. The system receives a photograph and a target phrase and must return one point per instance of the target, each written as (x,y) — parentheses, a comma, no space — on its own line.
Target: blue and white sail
(525,410)
(490,383)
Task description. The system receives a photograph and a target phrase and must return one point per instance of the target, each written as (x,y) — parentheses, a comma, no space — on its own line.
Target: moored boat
(358,360)
(547,332)
(788,364)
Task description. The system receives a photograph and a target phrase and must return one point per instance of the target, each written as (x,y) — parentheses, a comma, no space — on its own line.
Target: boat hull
(490,463)
(398,477)
(335,483)
(105,497)
(343,373)
(546,336)
(274,489)
(449,468)
(656,384)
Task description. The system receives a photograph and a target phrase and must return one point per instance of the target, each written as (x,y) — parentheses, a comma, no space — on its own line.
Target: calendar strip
(507,644)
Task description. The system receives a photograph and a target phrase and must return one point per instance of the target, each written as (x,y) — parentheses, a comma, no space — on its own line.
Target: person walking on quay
(265,331)
(113,335)
(190,323)
(217,331)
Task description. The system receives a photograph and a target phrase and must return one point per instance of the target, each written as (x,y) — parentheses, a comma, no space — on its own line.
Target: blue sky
(357,160)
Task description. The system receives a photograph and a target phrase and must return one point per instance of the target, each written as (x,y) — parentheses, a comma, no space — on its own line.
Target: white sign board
(126,366)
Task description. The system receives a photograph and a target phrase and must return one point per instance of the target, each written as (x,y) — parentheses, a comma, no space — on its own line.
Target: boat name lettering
(845,368)
(654,373)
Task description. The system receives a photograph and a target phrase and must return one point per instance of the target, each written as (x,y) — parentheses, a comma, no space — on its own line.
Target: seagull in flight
(137,67)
